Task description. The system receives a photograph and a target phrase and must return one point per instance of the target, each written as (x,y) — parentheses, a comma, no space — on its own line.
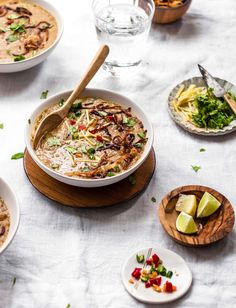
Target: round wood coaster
(89,197)
(214,227)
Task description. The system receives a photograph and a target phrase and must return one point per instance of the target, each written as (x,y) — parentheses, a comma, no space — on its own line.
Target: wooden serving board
(214,227)
(89,197)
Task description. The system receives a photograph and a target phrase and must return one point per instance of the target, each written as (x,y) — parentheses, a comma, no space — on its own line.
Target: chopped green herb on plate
(17,156)
(196,168)
(44,94)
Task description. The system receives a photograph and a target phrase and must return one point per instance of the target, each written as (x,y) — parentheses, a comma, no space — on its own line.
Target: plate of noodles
(193,106)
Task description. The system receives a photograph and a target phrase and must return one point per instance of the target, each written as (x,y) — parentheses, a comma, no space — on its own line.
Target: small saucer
(182,277)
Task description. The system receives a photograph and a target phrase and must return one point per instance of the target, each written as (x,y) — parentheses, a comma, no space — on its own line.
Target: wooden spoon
(52,120)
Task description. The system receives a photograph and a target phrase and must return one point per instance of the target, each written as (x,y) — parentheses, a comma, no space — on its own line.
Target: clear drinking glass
(124,26)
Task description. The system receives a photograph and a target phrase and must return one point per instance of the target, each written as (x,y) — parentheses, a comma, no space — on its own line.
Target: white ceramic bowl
(10,199)
(122,100)
(28,63)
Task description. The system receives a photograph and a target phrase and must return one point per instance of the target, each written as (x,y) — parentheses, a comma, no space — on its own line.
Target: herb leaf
(18,155)
(202,150)
(110,174)
(196,168)
(13,281)
(129,121)
(12,38)
(68,306)
(19,58)
(44,94)
(142,135)
(1,126)
(53,141)
(71,150)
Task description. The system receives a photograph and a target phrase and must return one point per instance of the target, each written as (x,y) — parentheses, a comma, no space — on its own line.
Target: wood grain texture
(169,15)
(214,227)
(89,197)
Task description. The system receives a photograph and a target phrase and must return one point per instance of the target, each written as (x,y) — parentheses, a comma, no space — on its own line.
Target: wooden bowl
(169,15)
(214,227)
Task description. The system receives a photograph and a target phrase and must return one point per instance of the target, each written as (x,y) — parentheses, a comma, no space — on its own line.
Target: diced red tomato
(72,121)
(155,259)
(149,262)
(156,281)
(99,138)
(169,287)
(111,118)
(136,273)
(82,127)
(147,284)
(94,131)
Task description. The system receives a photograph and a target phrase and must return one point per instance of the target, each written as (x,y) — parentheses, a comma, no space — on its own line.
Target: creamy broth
(4,221)
(97,139)
(26,30)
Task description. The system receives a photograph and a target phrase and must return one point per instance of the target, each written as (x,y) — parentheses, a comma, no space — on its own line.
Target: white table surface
(63,255)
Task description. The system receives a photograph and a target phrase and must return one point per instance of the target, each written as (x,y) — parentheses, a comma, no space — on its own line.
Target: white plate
(190,127)
(172,262)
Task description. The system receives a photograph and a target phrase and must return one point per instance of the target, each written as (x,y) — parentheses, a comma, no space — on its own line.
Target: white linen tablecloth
(62,255)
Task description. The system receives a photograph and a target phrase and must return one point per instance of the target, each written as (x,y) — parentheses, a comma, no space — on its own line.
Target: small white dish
(100,93)
(182,277)
(13,67)
(10,199)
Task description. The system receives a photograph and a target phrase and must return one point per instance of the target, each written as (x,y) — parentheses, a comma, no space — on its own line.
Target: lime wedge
(187,204)
(185,224)
(207,205)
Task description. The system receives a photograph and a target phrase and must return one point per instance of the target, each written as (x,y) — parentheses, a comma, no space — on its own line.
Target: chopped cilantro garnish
(13,281)
(110,174)
(1,126)
(153,199)
(17,155)
(83,148)
(68,306)
(196,168)
(77,105)
(129,121)
(72,129)
(18,27)
(116,169)
(91,151)
(44,94)
(19,58)
(99,145)
(12,38)
(142,135)
(132,180)
(84,169)
(71,115)
(212,112)
(53,141)
(71,150)
(138,145)
(202,150)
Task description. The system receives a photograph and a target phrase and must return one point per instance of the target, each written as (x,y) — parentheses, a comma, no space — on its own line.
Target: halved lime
(185,224)
(207,205)
(187,204)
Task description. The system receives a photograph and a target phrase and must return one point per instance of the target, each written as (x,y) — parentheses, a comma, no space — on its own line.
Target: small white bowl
(13,67)
(10,199)
(104,94)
